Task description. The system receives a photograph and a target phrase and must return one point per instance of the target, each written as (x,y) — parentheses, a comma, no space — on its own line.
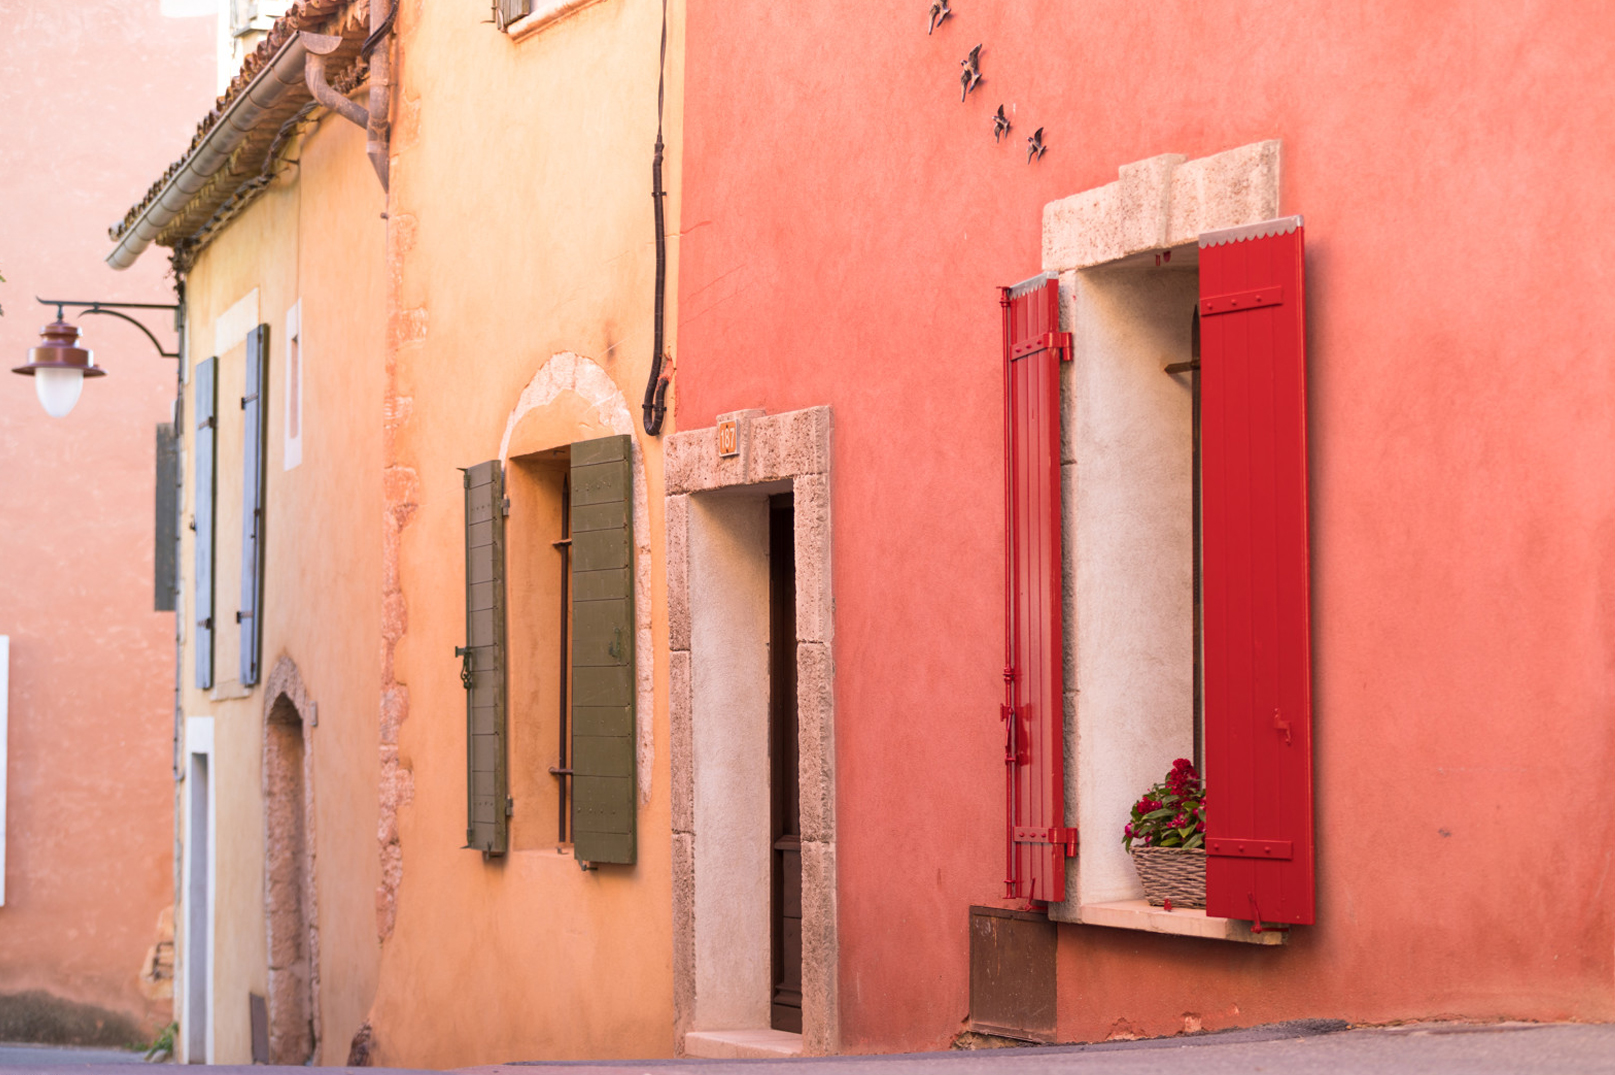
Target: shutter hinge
(510,806)
(205,624)
(1237,847)
(248,399)
(505,505)
(243,616)
(1049,341)
(1063,838)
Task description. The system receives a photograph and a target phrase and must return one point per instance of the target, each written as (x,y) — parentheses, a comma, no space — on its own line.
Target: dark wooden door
(783,760)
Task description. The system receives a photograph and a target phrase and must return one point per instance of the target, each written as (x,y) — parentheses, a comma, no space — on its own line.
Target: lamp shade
(59,366)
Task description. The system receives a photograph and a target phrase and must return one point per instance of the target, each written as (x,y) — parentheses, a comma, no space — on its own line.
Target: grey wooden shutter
(483,659)
(603,783)
(254,448)
(207,434)
(165,531)
(506,12)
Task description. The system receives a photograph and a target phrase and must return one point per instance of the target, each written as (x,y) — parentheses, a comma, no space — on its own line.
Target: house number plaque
(728,438)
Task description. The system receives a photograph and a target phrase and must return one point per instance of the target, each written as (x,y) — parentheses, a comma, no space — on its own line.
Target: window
(568,552)
(1138,261)
(519,18)
(292,452)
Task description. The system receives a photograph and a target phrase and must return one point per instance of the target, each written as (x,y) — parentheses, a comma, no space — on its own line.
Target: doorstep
(742,1044)
(1137,914)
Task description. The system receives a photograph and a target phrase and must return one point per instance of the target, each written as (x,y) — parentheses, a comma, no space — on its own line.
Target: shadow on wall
(38,1017)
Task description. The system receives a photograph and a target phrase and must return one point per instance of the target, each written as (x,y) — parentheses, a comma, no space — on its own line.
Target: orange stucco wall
(92,100)
(850,211)
(521,230)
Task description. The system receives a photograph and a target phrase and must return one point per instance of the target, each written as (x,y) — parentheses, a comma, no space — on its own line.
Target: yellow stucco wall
(522,229)
(519,227)
(316,237)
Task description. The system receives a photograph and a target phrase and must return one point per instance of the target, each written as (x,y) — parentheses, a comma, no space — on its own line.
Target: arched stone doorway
(291,922)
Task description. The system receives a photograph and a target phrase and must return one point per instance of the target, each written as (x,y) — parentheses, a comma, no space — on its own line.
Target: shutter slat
(487,828)
(205,493)
(254,452)
(1034,711)
(1258,708)
(602,586)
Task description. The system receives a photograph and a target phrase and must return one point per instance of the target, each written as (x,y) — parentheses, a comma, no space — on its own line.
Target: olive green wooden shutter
(603,785)
(207,433)
(254,450)
(482,668)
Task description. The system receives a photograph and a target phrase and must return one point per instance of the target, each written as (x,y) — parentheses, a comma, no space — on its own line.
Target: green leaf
(1156,815)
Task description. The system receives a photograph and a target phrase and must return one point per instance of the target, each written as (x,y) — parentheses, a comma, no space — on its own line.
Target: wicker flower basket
(1172,873)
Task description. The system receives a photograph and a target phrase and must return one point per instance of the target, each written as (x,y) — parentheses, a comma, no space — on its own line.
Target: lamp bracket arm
(107,308)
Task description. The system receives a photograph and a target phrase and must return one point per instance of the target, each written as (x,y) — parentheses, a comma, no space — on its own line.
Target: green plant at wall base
(161,1048)
(1172,813)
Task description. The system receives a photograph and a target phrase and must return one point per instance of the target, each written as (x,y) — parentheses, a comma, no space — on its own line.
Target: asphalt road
(1296,1049)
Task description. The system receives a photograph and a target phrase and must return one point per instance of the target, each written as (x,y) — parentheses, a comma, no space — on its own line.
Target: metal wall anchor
(1001,125)
(971,76)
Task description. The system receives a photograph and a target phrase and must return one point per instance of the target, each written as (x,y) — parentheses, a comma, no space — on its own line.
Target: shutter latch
(464,653)
(1017,751)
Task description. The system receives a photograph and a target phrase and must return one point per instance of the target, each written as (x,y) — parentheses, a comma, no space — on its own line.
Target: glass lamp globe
(58,366)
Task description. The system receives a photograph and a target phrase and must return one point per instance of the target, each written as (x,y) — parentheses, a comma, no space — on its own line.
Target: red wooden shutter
(1258,663)
(1033,711)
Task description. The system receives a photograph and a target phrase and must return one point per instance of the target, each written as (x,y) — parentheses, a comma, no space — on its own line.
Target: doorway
(198,953)
(784,762)
(751,669)
(287,897)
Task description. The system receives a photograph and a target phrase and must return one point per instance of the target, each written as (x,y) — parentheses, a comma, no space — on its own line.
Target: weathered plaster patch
(568,372)
(400,500)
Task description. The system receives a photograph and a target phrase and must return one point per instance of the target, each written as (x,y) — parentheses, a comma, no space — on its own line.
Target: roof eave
(281,75)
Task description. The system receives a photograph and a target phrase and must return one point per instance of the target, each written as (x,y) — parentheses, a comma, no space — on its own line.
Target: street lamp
(58,365)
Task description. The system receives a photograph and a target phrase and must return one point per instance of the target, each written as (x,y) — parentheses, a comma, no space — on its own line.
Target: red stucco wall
(94,99)
(846,223)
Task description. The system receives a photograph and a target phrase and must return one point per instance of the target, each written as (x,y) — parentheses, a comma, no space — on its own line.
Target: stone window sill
(742,1044)
(544,13)
(1137,914)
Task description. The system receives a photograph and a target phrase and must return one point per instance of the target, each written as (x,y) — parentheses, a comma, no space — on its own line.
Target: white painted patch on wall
(198,904)
(5,693)
(232,326)
(293,453)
